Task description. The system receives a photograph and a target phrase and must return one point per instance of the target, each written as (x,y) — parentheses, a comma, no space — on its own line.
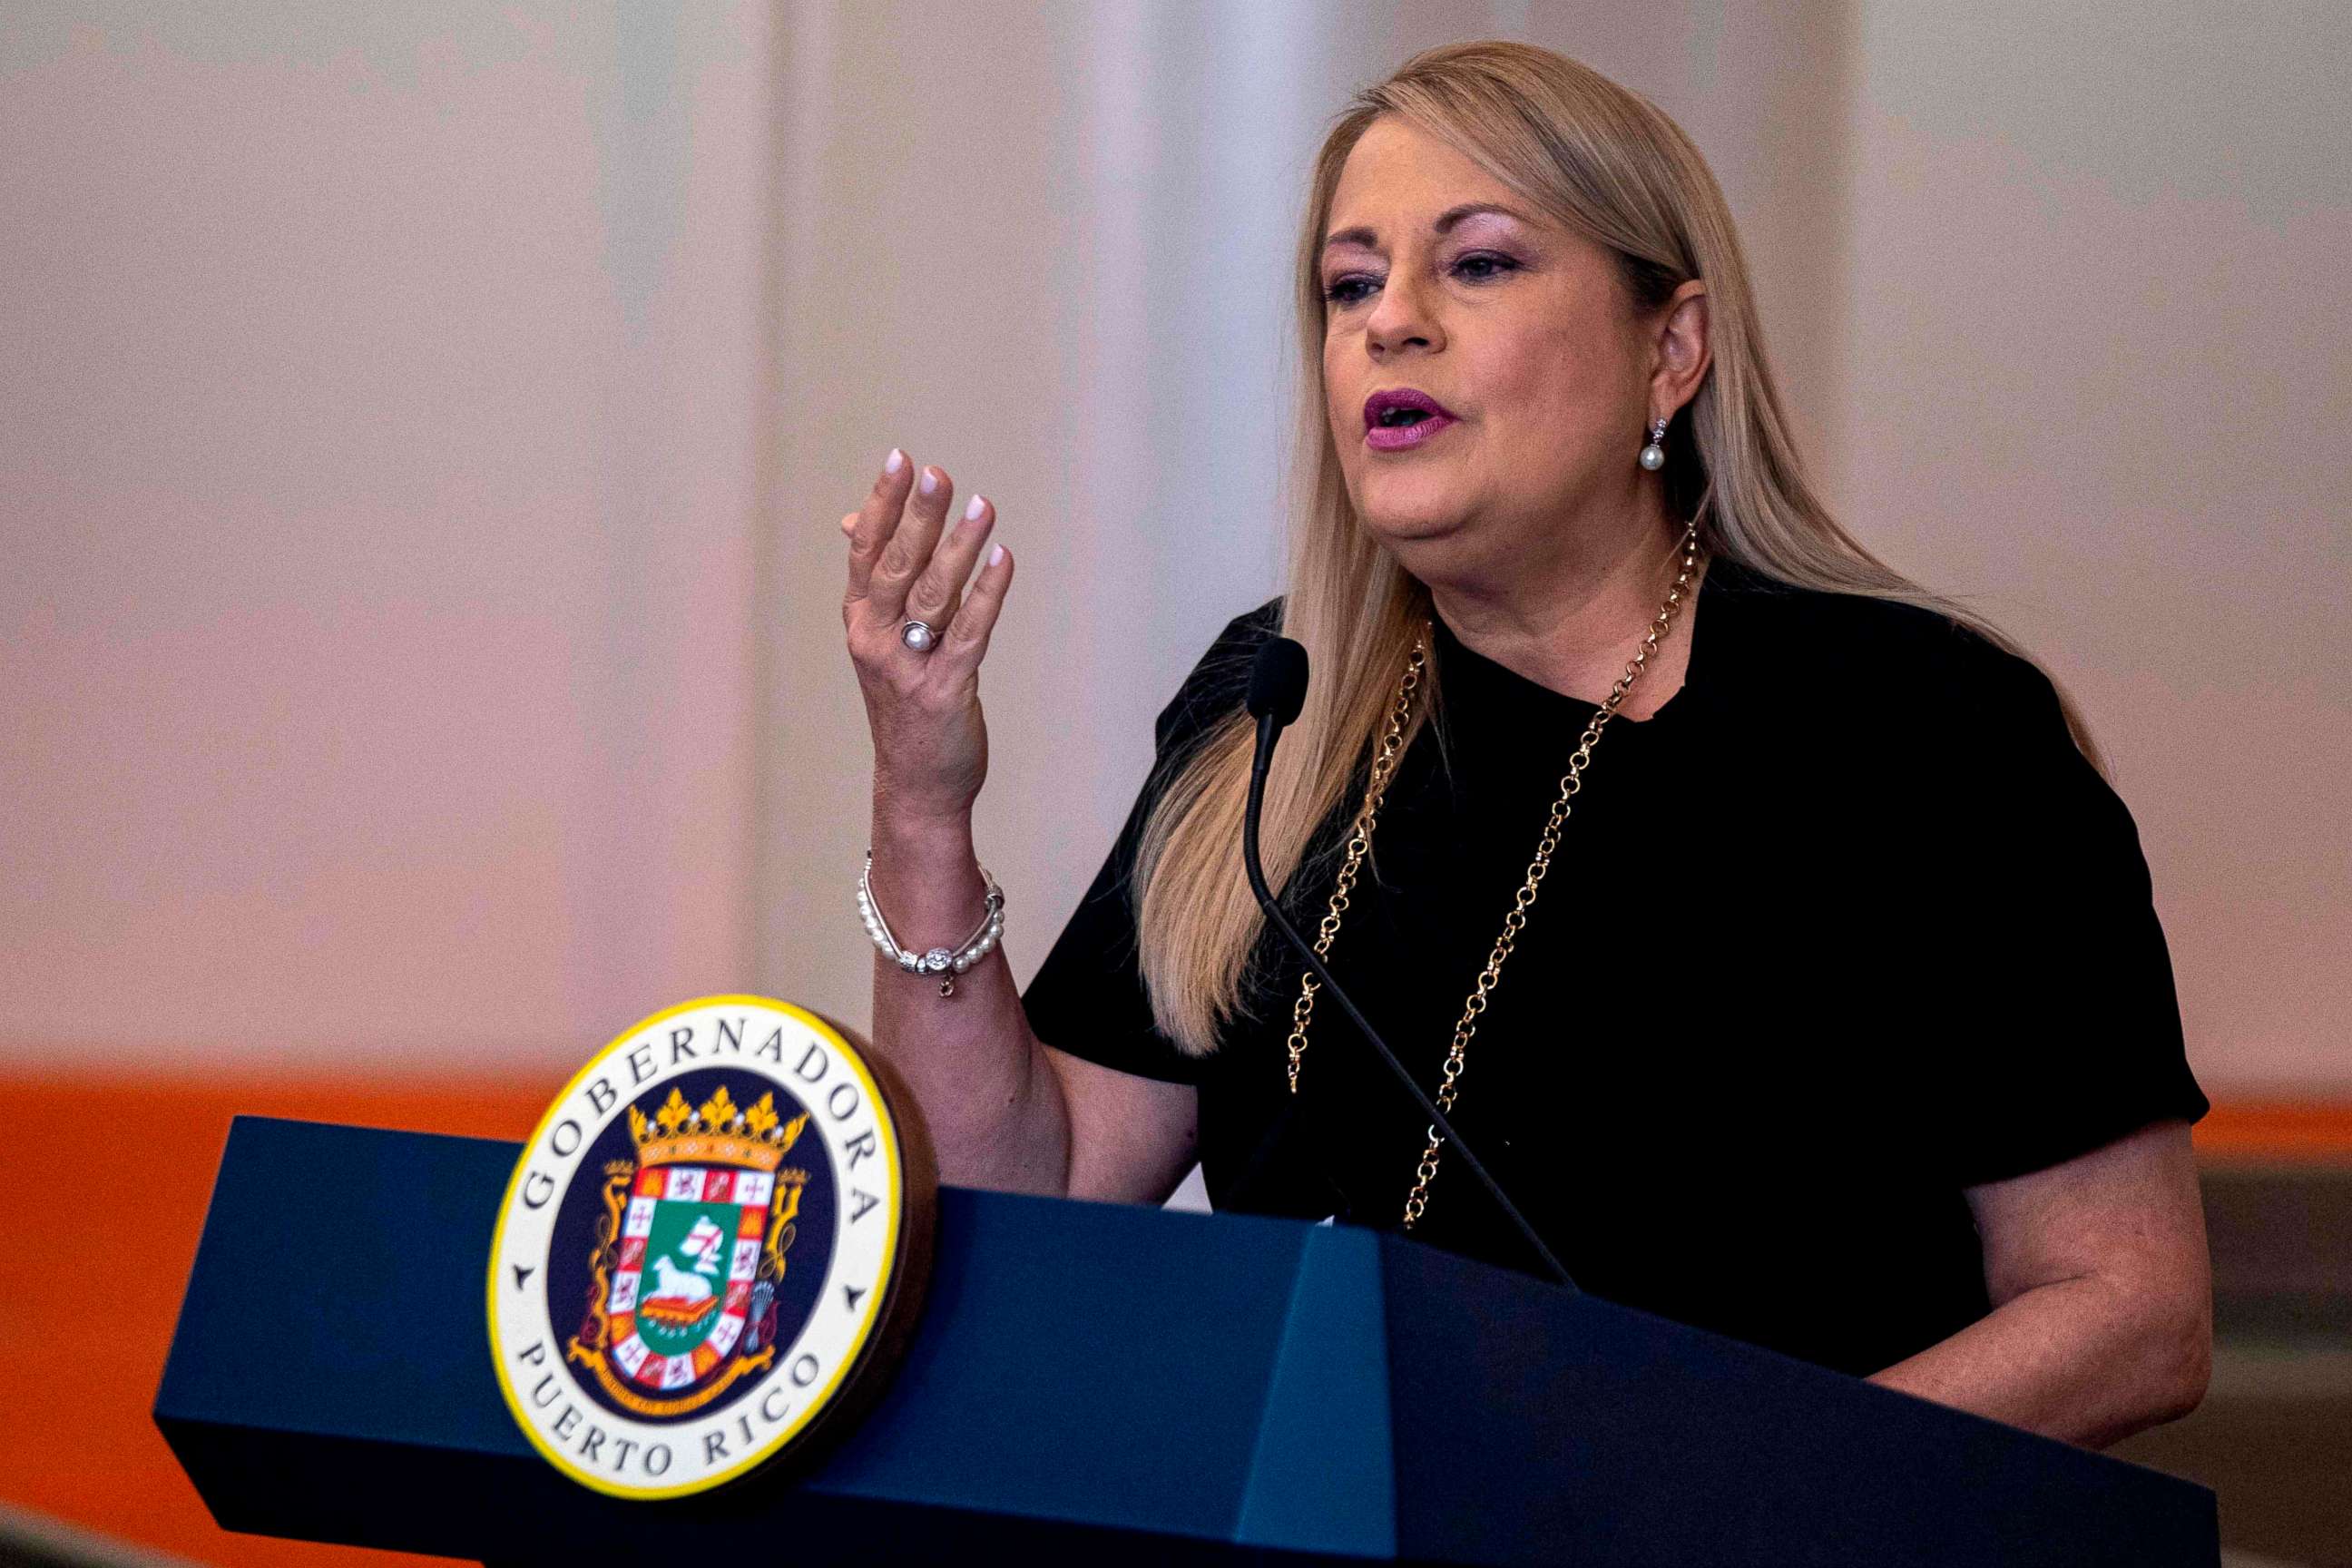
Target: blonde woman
(1765,919)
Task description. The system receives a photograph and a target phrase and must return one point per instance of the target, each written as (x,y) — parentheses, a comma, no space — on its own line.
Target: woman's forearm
(993,1107)
(2086,1360)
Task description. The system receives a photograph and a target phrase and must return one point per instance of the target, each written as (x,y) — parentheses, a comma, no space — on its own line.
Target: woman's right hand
(930,743)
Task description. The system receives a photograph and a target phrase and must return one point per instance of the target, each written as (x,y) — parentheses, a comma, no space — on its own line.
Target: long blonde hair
(1608,164)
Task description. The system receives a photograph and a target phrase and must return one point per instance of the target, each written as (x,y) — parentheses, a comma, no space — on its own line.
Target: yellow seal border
(812,1405)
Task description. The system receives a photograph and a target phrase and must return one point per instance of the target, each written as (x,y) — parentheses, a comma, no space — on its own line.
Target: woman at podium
(1763,922)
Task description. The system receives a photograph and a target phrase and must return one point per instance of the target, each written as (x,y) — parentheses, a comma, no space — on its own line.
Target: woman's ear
(1680,353)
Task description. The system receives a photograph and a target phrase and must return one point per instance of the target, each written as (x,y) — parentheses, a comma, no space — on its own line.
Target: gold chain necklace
(1360,843)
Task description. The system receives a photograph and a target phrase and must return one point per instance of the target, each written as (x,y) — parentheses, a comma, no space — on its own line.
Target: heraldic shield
(698,1190)
(689,1248)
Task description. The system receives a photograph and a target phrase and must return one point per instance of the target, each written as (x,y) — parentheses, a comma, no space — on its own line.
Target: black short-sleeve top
(1848,926)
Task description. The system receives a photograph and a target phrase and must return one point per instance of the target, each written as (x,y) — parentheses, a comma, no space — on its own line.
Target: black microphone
(1278,691)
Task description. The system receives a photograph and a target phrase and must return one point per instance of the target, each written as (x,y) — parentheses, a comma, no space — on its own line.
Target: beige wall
(2099,341)
(425,430)
(376,468)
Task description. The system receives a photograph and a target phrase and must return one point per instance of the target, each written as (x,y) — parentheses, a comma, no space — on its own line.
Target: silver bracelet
(945,963)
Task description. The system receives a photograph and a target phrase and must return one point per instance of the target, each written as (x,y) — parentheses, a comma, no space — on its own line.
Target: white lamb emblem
(701,1248)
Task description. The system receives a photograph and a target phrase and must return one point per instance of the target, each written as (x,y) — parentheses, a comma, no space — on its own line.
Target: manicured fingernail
(996,556)
(973,508)
(849,524)
(930,482)
(894,461)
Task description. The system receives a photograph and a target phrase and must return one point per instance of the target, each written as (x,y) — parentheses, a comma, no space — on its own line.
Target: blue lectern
(1089,1379)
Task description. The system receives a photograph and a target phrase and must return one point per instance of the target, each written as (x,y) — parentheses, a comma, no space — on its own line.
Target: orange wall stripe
(108,1470)
(2276,1131)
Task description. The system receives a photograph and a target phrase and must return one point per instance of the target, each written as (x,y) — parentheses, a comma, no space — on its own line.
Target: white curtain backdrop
(2062,305)
(1049,248)
(425,430)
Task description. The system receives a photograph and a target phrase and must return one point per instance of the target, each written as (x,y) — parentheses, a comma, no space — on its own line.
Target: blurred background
(423,431)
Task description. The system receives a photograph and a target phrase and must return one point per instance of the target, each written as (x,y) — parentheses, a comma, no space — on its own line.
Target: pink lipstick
(1403,417)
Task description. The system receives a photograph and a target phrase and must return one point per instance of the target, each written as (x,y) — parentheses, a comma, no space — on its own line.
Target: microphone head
(1277,683)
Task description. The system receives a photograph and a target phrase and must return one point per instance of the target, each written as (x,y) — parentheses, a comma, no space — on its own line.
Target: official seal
(710,1248)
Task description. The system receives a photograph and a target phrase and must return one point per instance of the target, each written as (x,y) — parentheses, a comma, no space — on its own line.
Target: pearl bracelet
(945,963)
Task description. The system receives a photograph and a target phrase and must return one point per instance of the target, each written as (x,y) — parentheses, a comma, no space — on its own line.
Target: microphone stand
(1268,728)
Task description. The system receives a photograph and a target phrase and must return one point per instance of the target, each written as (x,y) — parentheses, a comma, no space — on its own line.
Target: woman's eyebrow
(1369,238)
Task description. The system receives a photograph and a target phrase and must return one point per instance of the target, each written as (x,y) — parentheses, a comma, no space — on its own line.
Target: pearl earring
(1654,455)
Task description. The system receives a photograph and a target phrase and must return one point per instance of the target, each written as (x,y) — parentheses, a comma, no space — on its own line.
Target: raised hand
(930,742)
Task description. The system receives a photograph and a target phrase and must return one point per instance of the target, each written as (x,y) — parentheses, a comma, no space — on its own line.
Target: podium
(1090,1380)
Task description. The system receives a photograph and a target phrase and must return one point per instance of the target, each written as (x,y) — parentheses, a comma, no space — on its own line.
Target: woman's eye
(1481,267)
(1490,265)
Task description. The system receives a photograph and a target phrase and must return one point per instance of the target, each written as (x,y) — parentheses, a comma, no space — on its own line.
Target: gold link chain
(1302,1011)
(1514,922)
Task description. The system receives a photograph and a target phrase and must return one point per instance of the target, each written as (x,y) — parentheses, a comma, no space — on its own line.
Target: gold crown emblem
(717,1129)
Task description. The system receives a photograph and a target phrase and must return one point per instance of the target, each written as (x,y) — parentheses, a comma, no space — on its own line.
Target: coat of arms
(712,1246)
(700,1217)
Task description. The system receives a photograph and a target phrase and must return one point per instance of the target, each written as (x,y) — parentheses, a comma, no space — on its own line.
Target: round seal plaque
(712,1247)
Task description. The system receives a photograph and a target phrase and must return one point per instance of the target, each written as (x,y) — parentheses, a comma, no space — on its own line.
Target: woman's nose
(1399,319)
